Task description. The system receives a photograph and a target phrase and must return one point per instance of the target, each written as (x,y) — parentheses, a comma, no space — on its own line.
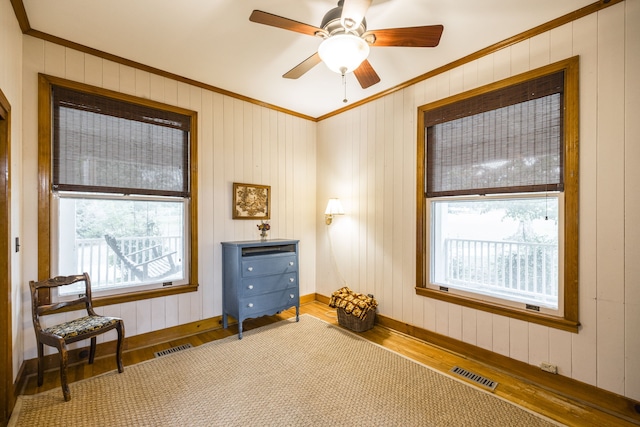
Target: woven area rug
(309,373)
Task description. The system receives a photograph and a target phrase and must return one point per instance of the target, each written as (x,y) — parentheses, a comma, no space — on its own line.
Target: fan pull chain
(344,84)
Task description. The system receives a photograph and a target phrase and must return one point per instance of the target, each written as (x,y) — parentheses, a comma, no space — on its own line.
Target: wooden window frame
(45,190)
(569,320)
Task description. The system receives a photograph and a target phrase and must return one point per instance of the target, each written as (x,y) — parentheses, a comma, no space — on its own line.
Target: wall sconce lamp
(334,207)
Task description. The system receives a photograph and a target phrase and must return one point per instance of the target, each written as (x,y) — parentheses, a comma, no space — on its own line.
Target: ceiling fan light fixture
(343,53)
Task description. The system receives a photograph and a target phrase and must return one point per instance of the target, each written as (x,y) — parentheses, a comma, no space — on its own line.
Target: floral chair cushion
(80,326)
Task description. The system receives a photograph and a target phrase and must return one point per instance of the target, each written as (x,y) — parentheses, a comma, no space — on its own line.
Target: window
(500,247)
(120,190)
(497,217)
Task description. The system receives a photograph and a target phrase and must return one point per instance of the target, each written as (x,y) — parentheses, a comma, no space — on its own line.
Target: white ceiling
(213,41)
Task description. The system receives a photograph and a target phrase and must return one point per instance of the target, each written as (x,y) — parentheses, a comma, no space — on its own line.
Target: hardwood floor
(526,394)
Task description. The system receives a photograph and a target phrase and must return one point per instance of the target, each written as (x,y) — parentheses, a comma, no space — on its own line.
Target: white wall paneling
(93,72)
(158,313)
(171,311)
(455,322)
(469,325)
(538,344)
(518,340)
(585,44)
(500,333)
(560,43)
(502,64)
(484,330)
(143,316)
(560,351)
(520,57)
(610,200)
(632,197)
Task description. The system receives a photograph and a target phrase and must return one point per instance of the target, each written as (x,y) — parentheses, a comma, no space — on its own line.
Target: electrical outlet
(548,367)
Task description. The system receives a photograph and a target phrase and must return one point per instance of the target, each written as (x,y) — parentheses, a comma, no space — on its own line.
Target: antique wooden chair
(154,264)
(85,327)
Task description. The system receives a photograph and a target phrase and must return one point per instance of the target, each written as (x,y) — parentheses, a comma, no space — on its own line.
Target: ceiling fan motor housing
(332,25)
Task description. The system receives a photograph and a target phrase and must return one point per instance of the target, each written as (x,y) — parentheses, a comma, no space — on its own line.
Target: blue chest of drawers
(259,278)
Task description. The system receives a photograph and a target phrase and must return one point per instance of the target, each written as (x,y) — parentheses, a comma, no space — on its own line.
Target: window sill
(541,319)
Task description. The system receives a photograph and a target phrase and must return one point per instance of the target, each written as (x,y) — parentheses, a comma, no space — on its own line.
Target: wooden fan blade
(285,23)
(366,75)
(353,12)
(303,67)
(427,36)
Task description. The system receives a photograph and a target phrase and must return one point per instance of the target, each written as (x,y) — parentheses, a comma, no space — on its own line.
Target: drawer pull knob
(292,296)
(290,262)
(250,305)
(250,287)
(250,268)
(291,279)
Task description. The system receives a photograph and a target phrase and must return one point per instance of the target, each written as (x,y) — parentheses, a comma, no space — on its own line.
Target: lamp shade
(343,53)
(334,207)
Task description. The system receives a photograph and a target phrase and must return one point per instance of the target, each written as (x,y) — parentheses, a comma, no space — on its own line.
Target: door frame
(7,401)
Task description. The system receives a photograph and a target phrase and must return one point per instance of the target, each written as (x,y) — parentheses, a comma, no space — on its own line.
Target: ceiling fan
(346,41)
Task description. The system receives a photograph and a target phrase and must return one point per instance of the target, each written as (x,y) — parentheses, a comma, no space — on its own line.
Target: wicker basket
(355,323)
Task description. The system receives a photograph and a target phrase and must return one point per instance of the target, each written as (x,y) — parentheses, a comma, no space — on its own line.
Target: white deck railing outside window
(502,269)
(107,270)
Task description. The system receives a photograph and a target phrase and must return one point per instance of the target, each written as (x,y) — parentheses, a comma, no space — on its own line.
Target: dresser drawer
(271,302)
(262,285)
(263,265)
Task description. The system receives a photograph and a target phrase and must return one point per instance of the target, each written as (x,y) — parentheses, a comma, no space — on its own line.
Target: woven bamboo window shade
(108,145)
(505,141)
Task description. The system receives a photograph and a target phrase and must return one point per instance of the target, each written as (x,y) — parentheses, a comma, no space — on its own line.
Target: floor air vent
(478,379)
(172,350)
